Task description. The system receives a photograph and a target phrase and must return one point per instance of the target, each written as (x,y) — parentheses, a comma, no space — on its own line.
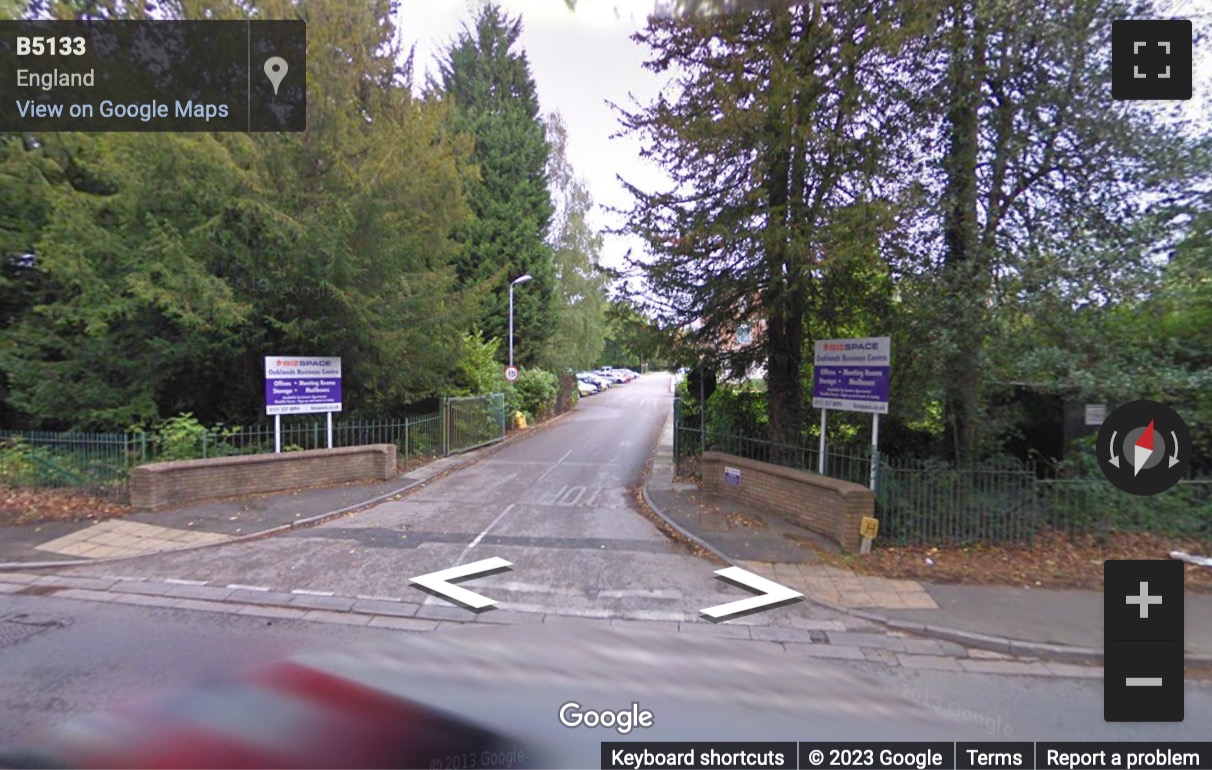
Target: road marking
(186,582)
(487,529)
(305,592)
(570,496)
(240,586)
(553,467)
(365,598)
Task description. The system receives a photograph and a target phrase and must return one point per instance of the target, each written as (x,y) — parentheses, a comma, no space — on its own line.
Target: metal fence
(921,502)
(99,463)
(473,421)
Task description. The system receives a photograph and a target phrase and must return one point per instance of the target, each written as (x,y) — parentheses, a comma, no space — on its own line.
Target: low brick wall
(159,485)
(827,506)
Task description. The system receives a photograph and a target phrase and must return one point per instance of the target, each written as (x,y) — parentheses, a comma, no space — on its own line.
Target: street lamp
(520,279)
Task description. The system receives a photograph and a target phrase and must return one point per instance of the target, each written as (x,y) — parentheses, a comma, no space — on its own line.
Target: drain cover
(12,632)
(818,637)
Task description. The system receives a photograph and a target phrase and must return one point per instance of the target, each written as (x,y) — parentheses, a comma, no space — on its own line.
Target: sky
(582,60)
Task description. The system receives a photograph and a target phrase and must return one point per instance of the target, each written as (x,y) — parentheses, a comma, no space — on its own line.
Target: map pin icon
(275,70)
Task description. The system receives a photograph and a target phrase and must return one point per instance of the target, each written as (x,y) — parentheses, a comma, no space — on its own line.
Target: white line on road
(379,598)
(473,544)
(240,586)
(487,529)
(180,582)
(553,467)
(305,592)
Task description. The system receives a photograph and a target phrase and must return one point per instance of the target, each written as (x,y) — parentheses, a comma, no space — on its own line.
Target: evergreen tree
(496,104)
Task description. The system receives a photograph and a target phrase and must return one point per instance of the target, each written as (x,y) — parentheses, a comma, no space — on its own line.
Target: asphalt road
(560,507)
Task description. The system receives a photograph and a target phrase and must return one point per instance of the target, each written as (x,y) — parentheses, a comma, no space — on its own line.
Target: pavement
(1045,624)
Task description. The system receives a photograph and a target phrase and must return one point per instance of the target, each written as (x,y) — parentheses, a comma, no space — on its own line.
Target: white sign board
(1095,414)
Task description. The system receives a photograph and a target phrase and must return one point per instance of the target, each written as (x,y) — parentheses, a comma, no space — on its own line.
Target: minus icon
(1144,681)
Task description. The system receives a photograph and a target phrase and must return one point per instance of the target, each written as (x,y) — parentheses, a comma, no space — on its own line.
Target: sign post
(853,375)
(296,385)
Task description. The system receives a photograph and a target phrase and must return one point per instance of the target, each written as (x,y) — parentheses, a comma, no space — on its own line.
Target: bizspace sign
(852,375)
(302,385)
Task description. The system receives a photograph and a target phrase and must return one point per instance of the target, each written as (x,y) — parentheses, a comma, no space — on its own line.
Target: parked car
(596,379)
(586,388)
(613,376)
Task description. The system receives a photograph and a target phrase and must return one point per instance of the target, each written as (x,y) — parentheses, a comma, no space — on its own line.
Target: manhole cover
(818,637)
(11,632)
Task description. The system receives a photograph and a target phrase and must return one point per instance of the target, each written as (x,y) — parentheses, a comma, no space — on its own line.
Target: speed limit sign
(511,373)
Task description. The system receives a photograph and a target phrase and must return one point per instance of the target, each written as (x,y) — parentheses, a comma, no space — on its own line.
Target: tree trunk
(963,267)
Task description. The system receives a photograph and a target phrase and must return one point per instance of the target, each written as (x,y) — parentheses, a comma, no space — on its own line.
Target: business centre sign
(296,385)
(852,375)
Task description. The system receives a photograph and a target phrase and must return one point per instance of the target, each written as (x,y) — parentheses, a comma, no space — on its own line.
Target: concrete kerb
(472,457)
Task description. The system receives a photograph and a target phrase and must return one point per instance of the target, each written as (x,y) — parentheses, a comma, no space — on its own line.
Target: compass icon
(1143,447)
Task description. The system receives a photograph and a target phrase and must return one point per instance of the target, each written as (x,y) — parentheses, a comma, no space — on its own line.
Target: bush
(536,391)
(184,437)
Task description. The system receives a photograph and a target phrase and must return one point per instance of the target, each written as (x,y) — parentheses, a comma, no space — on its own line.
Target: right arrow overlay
(771,595)
(441,583)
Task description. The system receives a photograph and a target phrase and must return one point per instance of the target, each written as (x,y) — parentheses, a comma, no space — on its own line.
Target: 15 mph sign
(511,373)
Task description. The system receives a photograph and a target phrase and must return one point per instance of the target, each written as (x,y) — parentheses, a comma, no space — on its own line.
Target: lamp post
(516,281)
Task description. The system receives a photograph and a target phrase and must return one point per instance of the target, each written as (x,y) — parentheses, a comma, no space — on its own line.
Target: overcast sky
(582,60)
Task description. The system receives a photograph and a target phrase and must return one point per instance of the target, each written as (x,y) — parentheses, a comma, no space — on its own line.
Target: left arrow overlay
(441,583)
(772,595)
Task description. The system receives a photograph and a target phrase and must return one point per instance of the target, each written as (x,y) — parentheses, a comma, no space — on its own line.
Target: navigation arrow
(1174,457)
(1114,457)
(441,583)
(772,595)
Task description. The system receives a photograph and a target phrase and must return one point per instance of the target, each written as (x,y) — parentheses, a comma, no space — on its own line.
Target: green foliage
(634,340)
(495,103)
(536,392)
(162,267)
(479,373)
(184,437)
(737,412)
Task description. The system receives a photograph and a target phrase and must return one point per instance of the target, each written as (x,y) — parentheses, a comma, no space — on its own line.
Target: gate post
(442,407)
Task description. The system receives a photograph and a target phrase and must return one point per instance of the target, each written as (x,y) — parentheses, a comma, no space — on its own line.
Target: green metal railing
(922,502)
(473,421)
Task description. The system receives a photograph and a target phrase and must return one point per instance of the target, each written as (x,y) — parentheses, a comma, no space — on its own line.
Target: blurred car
(586,388)
(613,378)
(488,696)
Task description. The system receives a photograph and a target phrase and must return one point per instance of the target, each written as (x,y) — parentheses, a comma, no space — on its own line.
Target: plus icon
(1144,600)
(1151,59)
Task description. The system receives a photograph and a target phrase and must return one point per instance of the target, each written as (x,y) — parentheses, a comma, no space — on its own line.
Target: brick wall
(159,485)
(828,506)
